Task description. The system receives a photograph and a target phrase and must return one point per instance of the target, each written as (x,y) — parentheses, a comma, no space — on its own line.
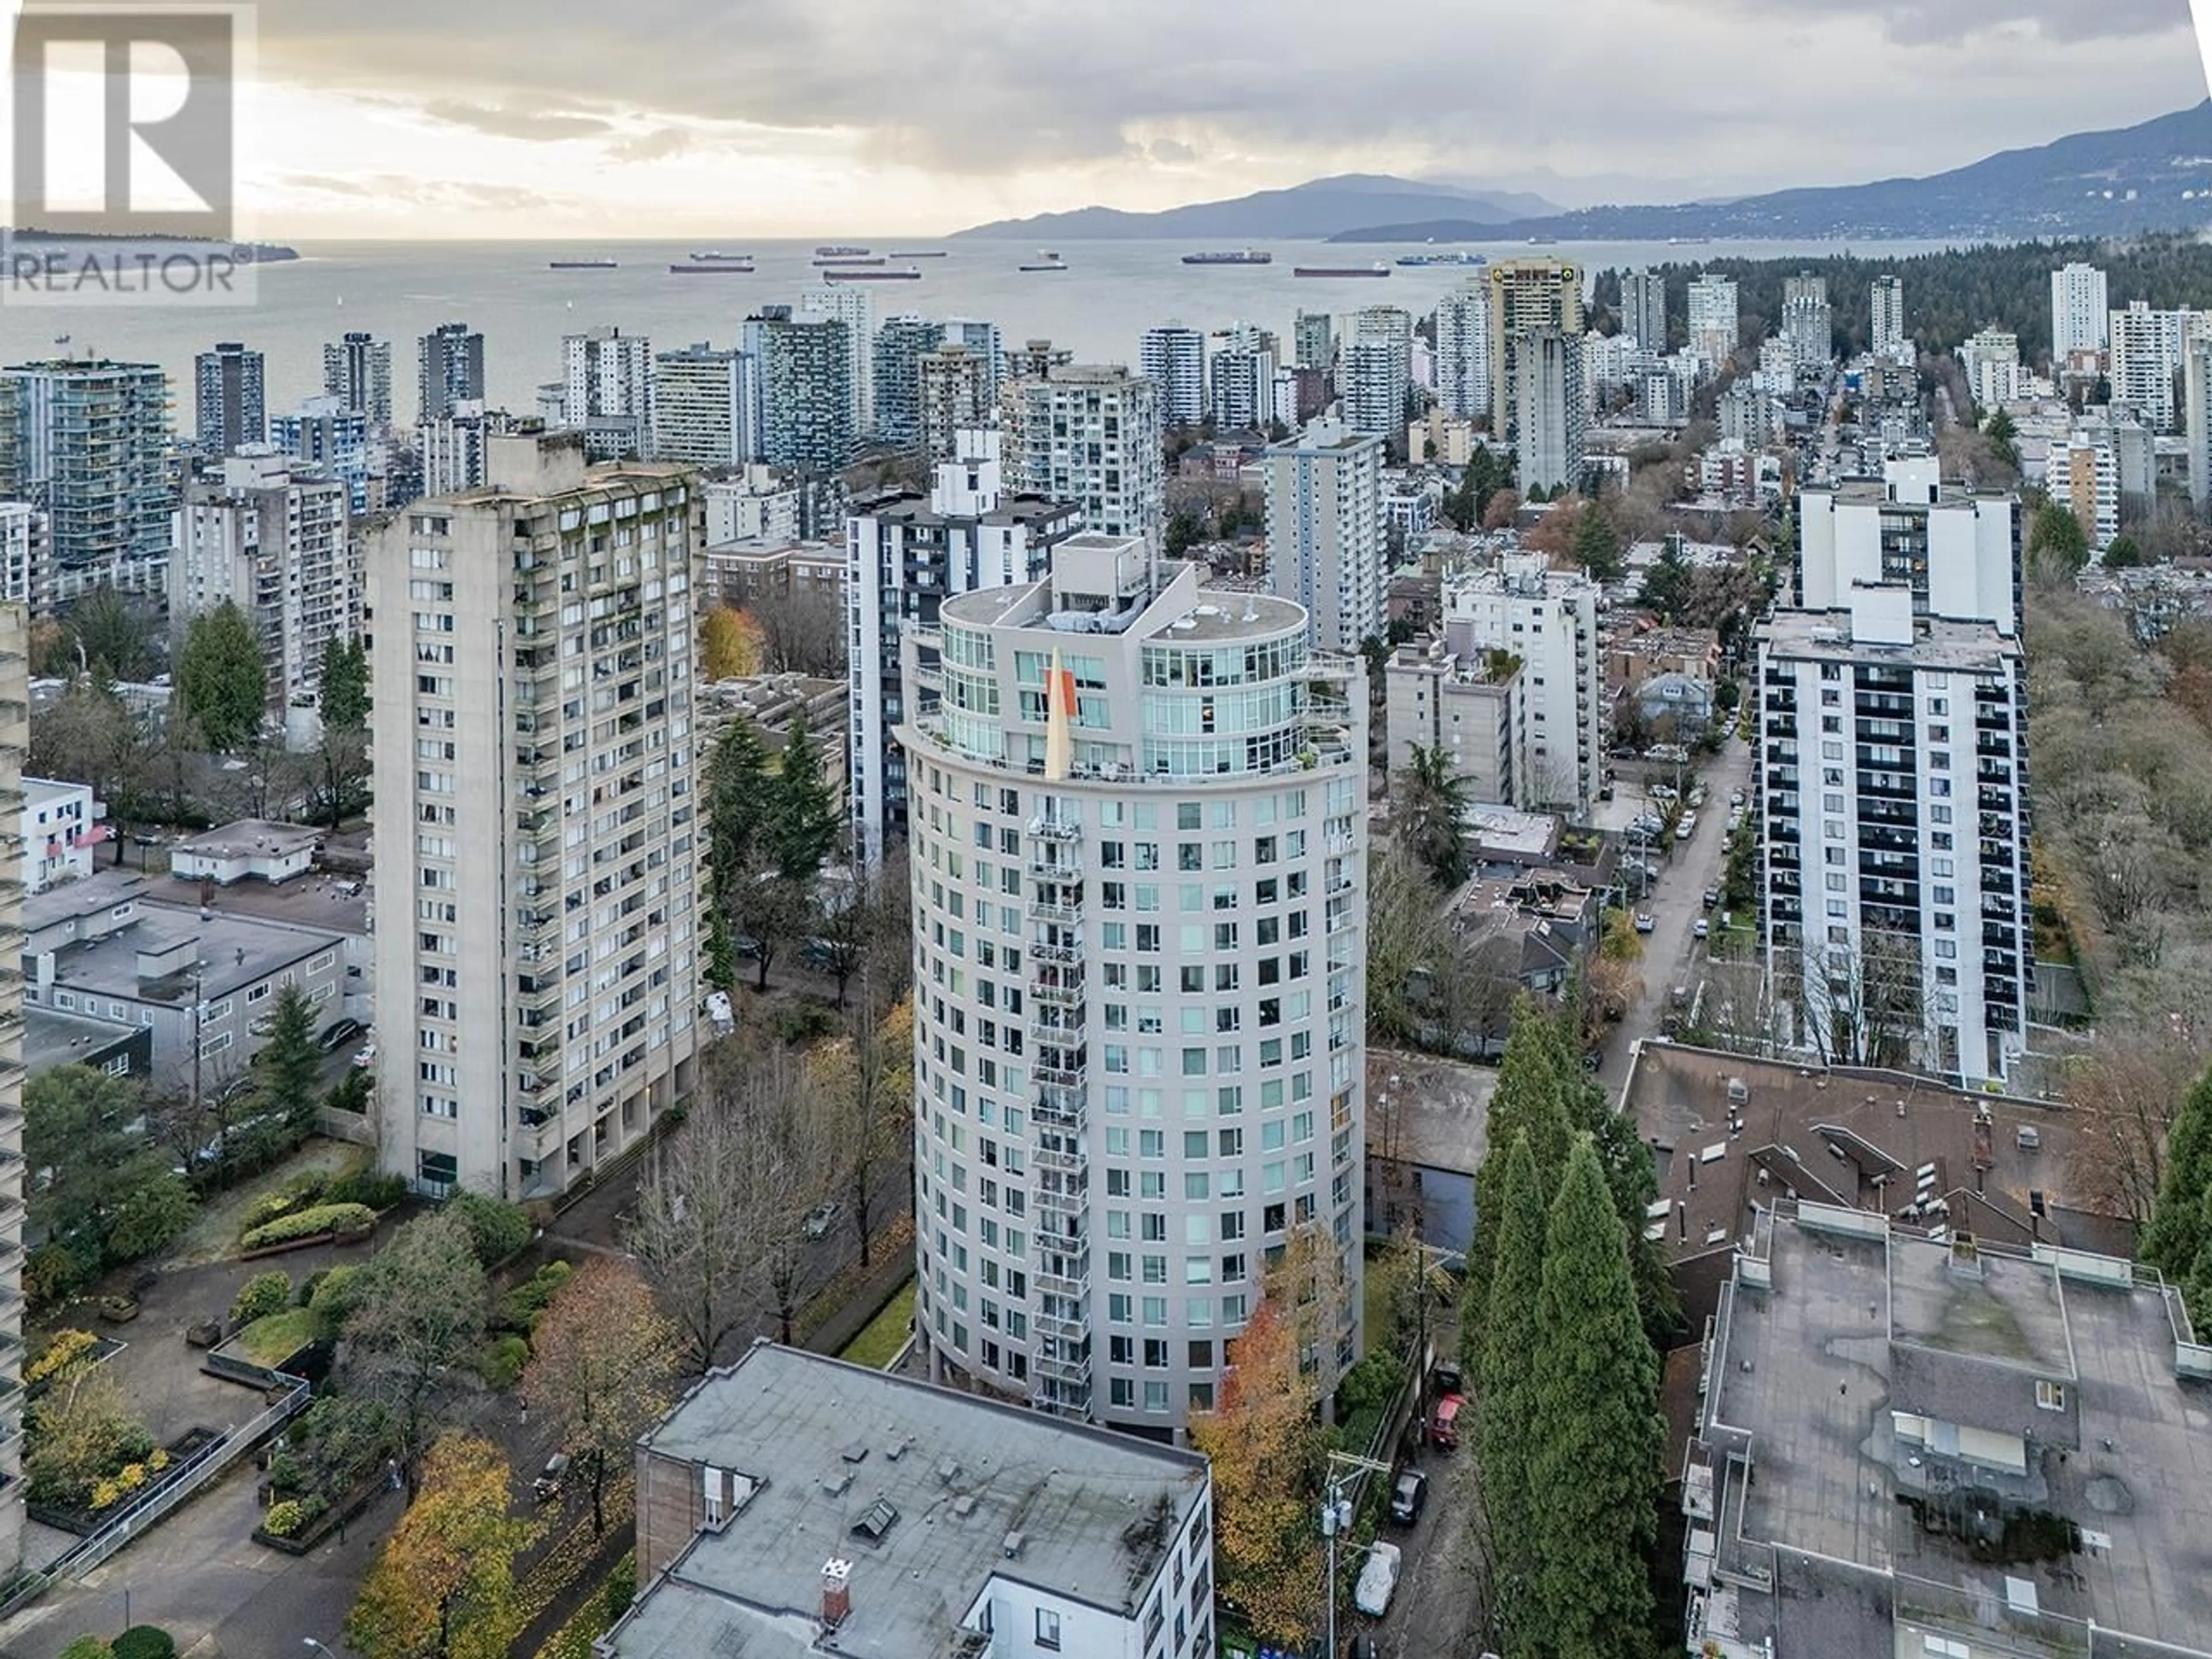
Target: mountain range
(2153,176)
(1319,208)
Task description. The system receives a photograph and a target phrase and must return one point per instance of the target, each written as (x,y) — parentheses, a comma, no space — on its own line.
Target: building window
(2050,1396)
(1047,1629)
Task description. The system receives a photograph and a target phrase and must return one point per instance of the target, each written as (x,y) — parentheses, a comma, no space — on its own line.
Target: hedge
(65,1349)
(521,1306)
(262,1295)
(331,1297)
(310,1224)
(497,1228)
(502,1361)
(145,1642)
(379,1192)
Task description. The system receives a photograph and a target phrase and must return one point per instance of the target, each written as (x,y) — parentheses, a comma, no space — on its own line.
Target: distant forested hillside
(1952,295)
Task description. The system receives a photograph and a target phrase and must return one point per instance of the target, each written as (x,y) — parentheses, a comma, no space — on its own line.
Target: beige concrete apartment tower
(539,817)
(14,740)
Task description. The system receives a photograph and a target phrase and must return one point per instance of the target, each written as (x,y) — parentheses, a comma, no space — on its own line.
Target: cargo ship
(850,260)
(833,251)
(723,259)
(858,274)
(1378,269)
(1046,260)
(924,253)
(1454,259)
(581,264)
(713,268)
(1250,256)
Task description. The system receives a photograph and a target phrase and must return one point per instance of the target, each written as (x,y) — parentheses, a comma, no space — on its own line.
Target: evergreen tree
(2176,1231)
(1526,1101)
(802,823)
(1595,1437)
(2123,553)
(222,680)
(344,707)
(738,795)
(2056,536)
(1430,814)
(2002,436)
(1597,544)
(287,1071)
(2197,1294)
(1630,1176)
(1667,583)
(1507,1380)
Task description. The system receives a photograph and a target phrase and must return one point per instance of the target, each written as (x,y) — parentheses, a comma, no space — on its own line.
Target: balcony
(1060,1109)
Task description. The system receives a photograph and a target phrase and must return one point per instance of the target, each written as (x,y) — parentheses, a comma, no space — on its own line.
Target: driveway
(1672,955)
(1433,1612)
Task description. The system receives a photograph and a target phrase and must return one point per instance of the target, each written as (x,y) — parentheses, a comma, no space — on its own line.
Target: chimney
(836,1592)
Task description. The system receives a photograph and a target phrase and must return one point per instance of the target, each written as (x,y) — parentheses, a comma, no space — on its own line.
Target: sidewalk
(201,1578)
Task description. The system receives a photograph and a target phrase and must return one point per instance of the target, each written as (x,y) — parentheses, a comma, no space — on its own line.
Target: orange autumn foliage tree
(1261,1437)
(604,1368)
(444,1587)
(730,642)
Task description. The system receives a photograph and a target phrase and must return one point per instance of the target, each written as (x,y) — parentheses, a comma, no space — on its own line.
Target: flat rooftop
(913,508)
(1428,1111)
(234,951)
(250,838)
(1825,636)
(319,902)
(1803,1373)
(52,1038)
(963,1474)
(37,792)
(1211,615)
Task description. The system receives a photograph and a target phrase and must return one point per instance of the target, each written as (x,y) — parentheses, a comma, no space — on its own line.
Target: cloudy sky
(485,117)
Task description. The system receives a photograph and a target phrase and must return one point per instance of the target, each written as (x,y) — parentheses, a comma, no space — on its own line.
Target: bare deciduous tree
(721,1212)
(2124,1094)
(801,633)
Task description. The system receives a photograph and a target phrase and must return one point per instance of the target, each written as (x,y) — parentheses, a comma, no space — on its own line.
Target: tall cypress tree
(1595,1435)
(2197,1294)
(2176,1231)
(1508,1382)
(1526,1099)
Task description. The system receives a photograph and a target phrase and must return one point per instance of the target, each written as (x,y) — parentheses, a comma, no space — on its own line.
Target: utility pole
(1336,1519)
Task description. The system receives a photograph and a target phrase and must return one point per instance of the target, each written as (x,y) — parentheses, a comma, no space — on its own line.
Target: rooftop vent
(1014,1545)
(875,1524)
(948,1472)
(839,1484)
(964,1505)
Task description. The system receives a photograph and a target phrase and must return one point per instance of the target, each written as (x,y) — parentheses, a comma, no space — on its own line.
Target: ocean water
(1110,293)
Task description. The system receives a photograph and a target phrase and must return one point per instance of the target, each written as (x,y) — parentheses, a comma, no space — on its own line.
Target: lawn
(275,1338)
(880,1341)
(213,1235)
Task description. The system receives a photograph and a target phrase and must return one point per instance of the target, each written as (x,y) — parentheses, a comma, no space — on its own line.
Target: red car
(1444,1428)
